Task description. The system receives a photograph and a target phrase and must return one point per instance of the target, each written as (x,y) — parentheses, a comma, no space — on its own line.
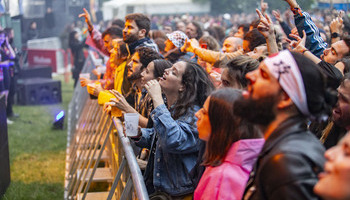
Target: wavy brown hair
(226,128)
(197,86)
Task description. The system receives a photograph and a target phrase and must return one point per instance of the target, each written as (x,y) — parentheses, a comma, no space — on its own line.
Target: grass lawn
(37,152)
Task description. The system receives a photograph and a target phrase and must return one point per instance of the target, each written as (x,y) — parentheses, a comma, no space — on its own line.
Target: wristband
(304,50)
(296,11)
(335,35)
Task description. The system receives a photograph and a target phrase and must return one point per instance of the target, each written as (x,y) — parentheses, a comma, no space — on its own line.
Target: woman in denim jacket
(173,141)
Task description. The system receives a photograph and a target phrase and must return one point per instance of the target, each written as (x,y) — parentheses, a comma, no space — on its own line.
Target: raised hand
(155,92)
(87,17)
(277,15)
(120,102)
(265,26)
(264,6)
(107,107)
(299,45)
(336,25)
(190,45)
(292,3)
(84,81)
(97,90)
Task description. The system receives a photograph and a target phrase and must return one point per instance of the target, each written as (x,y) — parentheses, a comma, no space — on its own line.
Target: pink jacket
(228,180)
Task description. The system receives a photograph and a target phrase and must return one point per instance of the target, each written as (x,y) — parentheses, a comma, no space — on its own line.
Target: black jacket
(288,164)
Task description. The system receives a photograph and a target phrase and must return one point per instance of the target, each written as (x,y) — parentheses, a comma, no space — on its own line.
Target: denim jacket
(176,150)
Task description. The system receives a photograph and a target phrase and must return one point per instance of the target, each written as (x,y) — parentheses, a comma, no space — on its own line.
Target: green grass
(37,152)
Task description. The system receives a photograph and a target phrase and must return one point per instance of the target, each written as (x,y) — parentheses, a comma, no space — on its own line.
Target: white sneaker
(9,122)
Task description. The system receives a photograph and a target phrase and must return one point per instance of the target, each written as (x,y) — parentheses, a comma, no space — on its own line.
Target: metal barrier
(79,98)
(98,151)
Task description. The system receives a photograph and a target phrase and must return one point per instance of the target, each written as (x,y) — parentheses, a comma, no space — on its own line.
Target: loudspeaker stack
(35,87)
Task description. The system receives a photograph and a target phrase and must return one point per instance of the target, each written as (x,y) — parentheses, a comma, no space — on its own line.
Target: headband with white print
(286,71)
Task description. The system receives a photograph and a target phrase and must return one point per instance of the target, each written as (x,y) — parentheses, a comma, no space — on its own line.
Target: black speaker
(37,91)
(35,72)
(4,150)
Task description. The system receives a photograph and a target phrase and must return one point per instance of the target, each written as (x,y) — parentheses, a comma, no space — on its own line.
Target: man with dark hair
(108,35)
(137,27)
(241,31)
(252,39)
(337,51)
(139,61)
(135,32)
(102,42)
(340,121)
(314,42)
(194,30)
(282,94)
(119,23)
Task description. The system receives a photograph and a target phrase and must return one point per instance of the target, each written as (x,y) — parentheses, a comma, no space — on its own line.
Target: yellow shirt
(105,96)
(119,77)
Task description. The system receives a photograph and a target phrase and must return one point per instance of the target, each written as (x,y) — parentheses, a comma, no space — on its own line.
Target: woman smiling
(173,140)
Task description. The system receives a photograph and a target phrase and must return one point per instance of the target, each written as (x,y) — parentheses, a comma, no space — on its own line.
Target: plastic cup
(131,124)
(84,75)
(90,88)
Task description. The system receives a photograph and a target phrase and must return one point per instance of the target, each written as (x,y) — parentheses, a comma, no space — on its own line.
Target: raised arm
(299,46)
(314,41)
(96,37)
(208,55)
(336,27)
(286,29)
(266,28)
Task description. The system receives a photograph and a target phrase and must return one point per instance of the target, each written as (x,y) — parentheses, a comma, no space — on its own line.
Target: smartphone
(204,46)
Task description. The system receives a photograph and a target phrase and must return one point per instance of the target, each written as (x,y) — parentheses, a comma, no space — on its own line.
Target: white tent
(120,8)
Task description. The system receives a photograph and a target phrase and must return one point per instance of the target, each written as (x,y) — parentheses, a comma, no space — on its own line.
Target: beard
(260,112)
(134,76)
(128,39)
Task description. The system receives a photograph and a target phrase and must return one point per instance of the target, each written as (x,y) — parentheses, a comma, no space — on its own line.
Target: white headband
(284,68)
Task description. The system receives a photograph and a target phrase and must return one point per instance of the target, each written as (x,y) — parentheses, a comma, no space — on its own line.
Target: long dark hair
(326,131)
(226,128)
(197,86)
(160,65)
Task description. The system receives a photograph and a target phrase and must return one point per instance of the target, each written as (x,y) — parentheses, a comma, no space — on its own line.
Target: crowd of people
(9,66)
(241,114)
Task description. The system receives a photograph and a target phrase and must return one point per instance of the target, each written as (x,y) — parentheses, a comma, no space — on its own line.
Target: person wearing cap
(173,46)
(282,94)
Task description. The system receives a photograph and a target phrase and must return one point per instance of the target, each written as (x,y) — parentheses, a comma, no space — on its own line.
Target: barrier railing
(99,152)
(79,98)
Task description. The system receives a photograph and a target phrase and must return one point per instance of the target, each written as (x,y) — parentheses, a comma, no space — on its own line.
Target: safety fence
(99,152)
(100,161)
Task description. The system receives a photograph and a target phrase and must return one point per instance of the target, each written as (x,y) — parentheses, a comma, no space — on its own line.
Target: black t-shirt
(334,76)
